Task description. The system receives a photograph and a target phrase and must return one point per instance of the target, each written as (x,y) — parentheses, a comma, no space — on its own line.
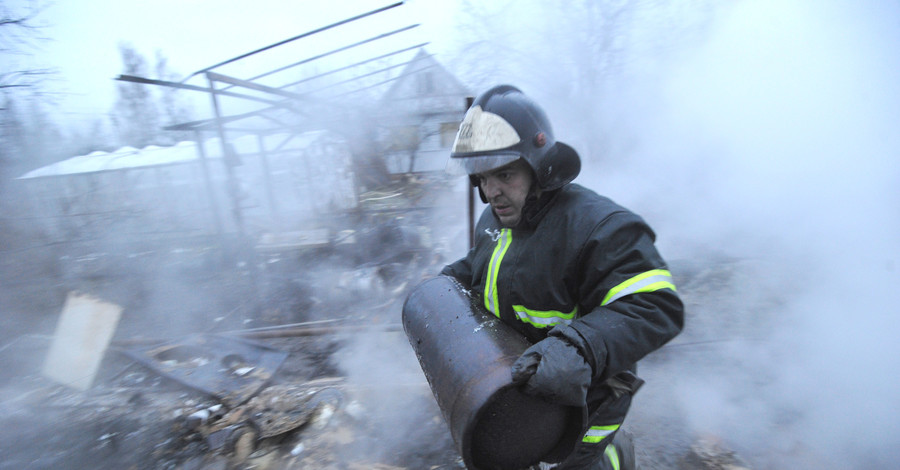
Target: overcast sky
(193,34)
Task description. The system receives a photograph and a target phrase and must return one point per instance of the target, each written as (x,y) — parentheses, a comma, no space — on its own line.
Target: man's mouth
(503,210)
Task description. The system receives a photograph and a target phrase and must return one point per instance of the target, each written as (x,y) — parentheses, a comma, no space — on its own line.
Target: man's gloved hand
(554,370)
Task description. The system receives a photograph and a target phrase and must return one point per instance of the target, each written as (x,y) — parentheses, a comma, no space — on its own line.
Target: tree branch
(20,29)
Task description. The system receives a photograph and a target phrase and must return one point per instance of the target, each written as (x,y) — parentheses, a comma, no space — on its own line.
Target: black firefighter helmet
(502,126)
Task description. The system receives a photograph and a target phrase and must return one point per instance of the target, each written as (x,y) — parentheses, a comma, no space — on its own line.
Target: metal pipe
(208,187)
(253,86)
(150,81)
(267,181)
(466,355)
(301,36)
(371,59)
(471,193)
(331,52)
(228,158)
(375,72)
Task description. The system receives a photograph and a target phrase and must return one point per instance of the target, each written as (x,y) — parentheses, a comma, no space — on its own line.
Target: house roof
(445,82)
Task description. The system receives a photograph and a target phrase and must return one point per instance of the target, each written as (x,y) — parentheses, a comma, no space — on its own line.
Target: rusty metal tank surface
(466,355)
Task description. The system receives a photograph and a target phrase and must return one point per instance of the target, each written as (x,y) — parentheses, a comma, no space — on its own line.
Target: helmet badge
(540,139)
(483,131)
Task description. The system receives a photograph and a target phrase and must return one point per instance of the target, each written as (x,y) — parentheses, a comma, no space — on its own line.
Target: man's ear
(474,180)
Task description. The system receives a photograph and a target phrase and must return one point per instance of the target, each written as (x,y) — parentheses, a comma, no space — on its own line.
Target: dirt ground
(133,417)
(359,398)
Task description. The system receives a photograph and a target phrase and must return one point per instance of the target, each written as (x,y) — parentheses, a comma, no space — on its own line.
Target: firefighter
(572,271)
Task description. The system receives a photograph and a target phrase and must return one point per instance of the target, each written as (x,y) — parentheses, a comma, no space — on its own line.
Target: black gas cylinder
(466,355)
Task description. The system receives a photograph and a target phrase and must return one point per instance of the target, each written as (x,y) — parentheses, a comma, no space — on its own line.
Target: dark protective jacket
(580,259)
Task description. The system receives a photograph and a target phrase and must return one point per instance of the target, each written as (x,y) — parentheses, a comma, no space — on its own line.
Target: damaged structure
(252,278)
(242,262)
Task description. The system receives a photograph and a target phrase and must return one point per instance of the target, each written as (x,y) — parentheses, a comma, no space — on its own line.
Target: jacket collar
(537,204)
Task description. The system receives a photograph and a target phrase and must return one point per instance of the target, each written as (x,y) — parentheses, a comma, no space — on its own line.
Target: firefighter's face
(506,189)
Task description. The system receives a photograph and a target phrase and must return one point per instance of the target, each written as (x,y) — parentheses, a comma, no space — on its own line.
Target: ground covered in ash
(349,393)
(346,395)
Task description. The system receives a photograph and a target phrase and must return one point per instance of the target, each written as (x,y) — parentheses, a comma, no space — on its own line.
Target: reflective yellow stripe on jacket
(612,455)
(541,319)
(645,282)
(491,299)
(649,281)
(597,433)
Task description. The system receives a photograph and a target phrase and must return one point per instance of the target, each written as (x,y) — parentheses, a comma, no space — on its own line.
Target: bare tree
(135,114)
(560,52)
(20,34)
(571,56)
(173,108)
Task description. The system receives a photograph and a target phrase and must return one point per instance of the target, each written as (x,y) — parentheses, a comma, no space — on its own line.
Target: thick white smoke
(768,136)
(777,140)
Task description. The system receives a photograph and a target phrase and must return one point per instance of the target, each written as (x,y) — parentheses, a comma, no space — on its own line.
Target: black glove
(554,370)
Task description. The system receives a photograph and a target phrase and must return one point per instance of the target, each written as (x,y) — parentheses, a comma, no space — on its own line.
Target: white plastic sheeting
(183,152)
(296,178)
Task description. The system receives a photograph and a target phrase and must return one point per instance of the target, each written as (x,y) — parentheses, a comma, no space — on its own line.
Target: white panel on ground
(85,327)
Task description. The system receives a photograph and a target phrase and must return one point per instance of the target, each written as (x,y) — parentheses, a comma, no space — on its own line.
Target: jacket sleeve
(627,292)
(461,270)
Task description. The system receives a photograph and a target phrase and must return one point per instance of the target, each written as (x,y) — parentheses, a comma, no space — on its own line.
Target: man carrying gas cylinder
(572,271)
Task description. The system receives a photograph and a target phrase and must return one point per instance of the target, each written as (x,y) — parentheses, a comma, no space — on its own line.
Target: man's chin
(508,221)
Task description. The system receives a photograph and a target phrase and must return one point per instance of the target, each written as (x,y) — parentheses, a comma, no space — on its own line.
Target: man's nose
(490,188)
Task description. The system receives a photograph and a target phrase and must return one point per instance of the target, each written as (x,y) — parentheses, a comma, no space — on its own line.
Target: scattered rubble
(140,420)
(200,377)
(711,453)
(263,392)
(231,369)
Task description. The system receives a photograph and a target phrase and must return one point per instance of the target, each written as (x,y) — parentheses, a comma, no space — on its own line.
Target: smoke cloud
(775,142)
(763,133)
